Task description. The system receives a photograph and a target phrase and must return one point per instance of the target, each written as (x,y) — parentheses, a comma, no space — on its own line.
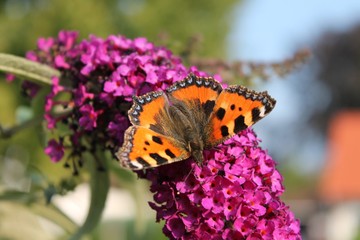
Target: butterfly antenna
(192,170)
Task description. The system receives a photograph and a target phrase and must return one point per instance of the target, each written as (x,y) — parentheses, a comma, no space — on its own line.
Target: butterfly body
(191,115)
(188,125)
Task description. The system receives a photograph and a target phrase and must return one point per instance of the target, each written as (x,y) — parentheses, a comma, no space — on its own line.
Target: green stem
(53,214)
(31,71)
(139,191)
(99,186)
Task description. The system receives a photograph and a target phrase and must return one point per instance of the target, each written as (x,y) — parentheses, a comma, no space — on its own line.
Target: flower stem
(53,214)
(99,186)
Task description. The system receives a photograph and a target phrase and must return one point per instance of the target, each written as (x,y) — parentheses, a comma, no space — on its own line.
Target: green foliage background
(22,22)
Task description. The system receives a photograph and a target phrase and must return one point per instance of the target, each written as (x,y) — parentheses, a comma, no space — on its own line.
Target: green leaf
(99,184)
(31,71)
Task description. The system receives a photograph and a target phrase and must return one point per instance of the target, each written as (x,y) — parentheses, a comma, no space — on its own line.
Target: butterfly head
(196,148)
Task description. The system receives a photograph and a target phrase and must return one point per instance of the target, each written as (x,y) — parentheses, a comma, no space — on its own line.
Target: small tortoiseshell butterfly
(191,115)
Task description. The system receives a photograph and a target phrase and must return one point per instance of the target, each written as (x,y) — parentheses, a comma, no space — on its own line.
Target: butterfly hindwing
(144,148)
(235,109)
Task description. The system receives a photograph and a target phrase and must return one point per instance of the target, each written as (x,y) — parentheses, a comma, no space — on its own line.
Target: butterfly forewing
(235,109)
(146,107)
(193,88)
(144,148)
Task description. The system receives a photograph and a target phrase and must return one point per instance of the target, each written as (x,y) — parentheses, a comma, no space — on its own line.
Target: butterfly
(193,114)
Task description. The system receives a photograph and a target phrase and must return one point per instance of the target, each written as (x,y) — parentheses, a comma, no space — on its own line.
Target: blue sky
(272,31)
(275,28)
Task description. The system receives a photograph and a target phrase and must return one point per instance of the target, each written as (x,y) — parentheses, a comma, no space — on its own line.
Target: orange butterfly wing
(236,109)
(146,107)
(193,88)
(144,148)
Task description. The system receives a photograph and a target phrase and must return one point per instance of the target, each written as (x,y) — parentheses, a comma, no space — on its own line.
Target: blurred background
(313,133)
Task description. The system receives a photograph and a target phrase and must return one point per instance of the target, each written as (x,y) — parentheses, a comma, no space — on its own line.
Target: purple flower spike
(234,195)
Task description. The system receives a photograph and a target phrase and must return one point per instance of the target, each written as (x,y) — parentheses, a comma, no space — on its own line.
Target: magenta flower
(117,84)
(81,95)
(117,127)
(10,77)
(234,195)
(55,150)
(60,62)
(88,120)
(45,44)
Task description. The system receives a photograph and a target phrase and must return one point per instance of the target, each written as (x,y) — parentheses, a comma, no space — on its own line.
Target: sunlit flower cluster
(233,195)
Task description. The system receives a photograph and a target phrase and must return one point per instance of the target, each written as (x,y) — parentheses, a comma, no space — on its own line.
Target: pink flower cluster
(98,79)
(234,195)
